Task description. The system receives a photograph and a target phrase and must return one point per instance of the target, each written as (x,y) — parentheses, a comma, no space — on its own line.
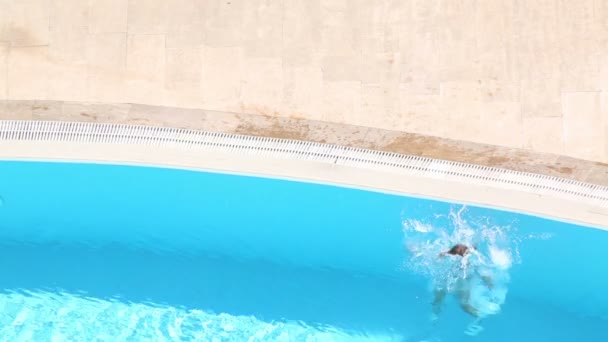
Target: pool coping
(542,195)
(265,123)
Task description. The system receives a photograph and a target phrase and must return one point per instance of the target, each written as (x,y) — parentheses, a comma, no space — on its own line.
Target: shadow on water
(270,292)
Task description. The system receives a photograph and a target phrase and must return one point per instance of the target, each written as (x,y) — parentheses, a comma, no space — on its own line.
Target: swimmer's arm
(487,280)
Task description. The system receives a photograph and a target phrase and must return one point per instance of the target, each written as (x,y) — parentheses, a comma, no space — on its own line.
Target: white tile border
(90,134)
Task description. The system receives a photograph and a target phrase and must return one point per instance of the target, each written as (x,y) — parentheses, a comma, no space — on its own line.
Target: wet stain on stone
(561,169)
(275,130)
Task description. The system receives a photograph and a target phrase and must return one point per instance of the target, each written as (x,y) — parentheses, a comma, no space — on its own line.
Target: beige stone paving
(529,75)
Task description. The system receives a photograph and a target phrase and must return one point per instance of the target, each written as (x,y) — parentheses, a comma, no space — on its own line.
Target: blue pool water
(121,253)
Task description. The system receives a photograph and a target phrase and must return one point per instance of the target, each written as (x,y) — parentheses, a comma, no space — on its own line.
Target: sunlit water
(118,253)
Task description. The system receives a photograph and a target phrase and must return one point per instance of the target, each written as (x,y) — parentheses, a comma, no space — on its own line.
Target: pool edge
(535,194)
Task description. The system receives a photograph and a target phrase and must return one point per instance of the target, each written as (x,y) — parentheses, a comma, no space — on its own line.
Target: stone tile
(144,53)
(183,16)
(5,20)
(4,49)
(501,91)
(597,175)
(185,24)
(580,69)
(579,46)
(604,105)
(379,24)
(495,30)
(537,38)
(69,14)
(221,78)
(30,110)
(68,45)
(183,77)
(146,68)
(340,68)
(461,121)
(379,102)
(415,81)
(29,25)
(262,86)
(68,81)
(381,68)
(582,124)
(223,22)
(263,125)
(303,87)
(184,69)
(501,124)
(266,40)
(576,19)
(288,128)
(601,8)
(108,16)
(222,122)
(566,167)
(416,144)
(339,29)
(28,73)
(45,110)
(14,110)
(457,51)
(461,91)
(95,112)
(301,31)
(521,160)
(541,97)
(342,100)
(107,50)
(420,113)
(106,57)
(185,40)
(269,126)
(373,105)
(166,116)
(332,133)
(419,43)
(335,5)
(148,16)
(603,76)
(543,134)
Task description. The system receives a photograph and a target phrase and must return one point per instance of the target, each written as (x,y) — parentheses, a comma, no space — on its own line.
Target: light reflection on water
(125,293)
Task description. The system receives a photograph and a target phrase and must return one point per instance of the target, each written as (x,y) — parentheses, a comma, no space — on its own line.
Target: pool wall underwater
(118,232)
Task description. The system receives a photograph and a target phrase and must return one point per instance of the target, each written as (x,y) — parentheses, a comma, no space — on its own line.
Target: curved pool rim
(535,194)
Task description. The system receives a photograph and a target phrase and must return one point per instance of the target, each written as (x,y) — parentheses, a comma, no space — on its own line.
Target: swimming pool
(111,252)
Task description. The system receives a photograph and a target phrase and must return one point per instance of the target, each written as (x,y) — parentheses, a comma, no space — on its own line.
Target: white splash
(500,258)
(494,250)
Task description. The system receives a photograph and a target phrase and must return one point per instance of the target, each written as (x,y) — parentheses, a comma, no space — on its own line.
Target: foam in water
(479,279)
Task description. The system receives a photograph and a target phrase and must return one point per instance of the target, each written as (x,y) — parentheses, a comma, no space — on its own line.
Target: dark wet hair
(458,250)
